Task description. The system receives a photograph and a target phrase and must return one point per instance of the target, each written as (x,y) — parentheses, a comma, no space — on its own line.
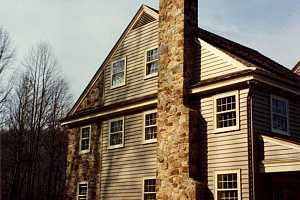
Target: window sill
(287,133)
(150,76)
(84,152)
(117,86)
(116,146)
(227,129)
(149,141)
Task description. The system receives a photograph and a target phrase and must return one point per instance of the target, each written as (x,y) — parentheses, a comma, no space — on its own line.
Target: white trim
(143,183)
(280,166)
(109,132)
(237,110)
(122,109)
(111,72)
(87,189)
(287,114)
(220,84)
(144,126)
(280,142)
(145,63)
(235,171)
(80,139)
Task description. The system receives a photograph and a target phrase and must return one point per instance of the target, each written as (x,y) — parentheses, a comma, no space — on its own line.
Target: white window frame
(87,189)
(80,139)
(144,127)
(287,114)
(146,76)
(237,107)
(109,133)
(143,184)
(111,73)
(235,171)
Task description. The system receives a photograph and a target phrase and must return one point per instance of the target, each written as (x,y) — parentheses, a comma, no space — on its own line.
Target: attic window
(144,19)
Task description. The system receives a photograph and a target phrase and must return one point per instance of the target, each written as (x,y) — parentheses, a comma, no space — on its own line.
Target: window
(85,138)
(151,62)
(227,185)
(82,191)
(149,191)
(118,73)
(226,115)
(150,127)
(116,133)
(279,115)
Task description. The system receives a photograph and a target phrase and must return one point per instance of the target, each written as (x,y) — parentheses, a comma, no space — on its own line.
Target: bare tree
(38,101)
(7,55)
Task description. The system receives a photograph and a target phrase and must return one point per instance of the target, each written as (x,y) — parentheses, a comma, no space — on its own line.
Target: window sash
(118,131)
(85,139)
(152,64)
(279,116)
(148,194)
(227,178)
(152,135)
(118,73)
(82,191)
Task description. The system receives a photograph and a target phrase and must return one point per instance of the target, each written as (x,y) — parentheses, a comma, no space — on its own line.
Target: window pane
(117,79)
(150,119)
(116,138)
(228,195)
(226,119)
(85,132)
(85,144)
(226,103)
(118,66)
(279,122)
(152,67)
(150,133)
(149,196)
(152,55)
(116,126)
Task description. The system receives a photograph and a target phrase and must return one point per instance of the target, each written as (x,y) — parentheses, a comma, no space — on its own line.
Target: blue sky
(83,32)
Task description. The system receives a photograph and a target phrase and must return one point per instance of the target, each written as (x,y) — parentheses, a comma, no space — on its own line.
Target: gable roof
(234,48)
(139,14)
(246,53)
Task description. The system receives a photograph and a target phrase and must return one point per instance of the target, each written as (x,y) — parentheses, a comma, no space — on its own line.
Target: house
(177,112)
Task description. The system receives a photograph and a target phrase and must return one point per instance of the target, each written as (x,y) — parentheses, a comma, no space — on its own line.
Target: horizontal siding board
(129,164)
(226,150)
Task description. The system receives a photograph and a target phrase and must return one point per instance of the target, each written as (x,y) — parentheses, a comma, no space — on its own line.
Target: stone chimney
(178,24)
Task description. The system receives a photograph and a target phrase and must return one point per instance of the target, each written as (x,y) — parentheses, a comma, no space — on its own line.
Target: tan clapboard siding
(122,169)
(226,150)
(133,48)
(273,151)
(262,114)
(214,65)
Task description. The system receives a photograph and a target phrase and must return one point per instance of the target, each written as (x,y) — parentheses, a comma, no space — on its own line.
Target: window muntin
(150,126)
(152,62)
(118,73)
(85,139)
(226,115)
(149,189)
(82,191)
(279,115)
(116,133)
(227,185)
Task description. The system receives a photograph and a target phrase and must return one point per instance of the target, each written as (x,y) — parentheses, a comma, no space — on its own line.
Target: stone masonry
(83,167)
(177,25)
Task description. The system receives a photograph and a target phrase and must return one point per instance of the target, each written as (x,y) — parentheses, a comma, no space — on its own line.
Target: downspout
(251,134)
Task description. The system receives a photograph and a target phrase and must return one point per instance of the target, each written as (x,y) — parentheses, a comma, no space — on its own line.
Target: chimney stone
(178,24)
